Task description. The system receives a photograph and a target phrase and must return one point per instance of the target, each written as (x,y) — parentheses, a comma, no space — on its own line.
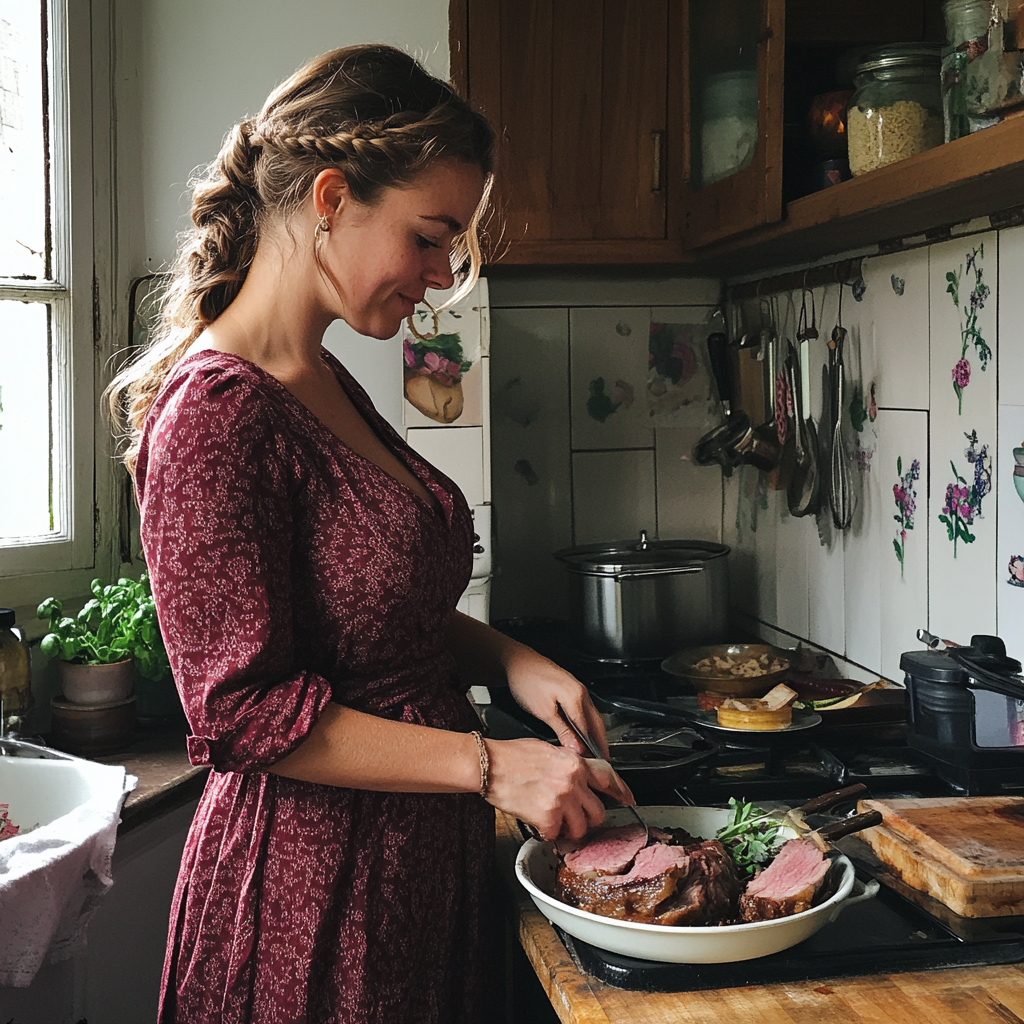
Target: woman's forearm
(482,654)
(352,749)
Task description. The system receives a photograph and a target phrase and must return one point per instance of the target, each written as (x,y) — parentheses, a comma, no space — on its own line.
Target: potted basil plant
(114,636)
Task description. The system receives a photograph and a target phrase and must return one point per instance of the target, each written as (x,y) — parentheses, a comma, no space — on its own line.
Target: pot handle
(669,570)
(868,891)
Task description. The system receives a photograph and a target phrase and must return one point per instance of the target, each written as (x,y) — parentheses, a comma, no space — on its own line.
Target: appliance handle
(669,570)
(1005,687)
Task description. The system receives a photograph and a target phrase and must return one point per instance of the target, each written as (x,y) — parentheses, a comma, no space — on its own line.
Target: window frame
(37,568)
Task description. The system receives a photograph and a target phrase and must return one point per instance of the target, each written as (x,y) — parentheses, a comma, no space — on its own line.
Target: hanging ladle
(840,492)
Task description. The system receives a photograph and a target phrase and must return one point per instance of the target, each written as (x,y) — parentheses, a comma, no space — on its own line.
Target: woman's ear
(330,192)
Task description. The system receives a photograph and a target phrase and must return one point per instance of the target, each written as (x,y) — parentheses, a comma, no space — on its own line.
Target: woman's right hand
(551,787)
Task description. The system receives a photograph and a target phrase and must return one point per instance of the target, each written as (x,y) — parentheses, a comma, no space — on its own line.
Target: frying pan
(537,867)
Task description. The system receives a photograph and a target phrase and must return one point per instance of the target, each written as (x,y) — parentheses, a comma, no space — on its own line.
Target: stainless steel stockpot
(645,599)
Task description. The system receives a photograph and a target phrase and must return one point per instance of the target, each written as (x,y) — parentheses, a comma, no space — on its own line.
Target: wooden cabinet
(611,149)
(579,91)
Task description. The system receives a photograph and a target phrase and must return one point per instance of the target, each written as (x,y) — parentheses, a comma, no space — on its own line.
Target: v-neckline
(439,511)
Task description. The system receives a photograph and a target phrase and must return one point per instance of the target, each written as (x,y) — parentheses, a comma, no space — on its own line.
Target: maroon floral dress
(288,572)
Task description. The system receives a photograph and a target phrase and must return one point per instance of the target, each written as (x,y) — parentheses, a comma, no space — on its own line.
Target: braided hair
(372,111)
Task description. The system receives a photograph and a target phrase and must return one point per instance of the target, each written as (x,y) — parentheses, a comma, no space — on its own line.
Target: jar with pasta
(896,111)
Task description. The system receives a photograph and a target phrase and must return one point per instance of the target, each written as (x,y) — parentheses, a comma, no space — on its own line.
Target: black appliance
(966,715)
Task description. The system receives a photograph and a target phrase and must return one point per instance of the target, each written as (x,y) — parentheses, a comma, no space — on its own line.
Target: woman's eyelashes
(426,243)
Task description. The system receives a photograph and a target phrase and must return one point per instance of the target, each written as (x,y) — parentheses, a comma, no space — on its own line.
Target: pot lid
(616,556)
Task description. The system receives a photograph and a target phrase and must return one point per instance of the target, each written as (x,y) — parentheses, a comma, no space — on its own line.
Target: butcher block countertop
(970,995)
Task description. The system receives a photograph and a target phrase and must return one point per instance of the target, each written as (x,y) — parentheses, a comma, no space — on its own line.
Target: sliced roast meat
(668,885)
(788,885)
(627,901)
(650,862)
(608,851)
(709,892)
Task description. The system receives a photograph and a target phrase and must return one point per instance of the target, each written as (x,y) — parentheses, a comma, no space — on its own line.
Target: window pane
(23,157)
(30,504)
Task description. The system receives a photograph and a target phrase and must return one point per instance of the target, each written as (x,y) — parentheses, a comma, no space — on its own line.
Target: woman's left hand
(540,686)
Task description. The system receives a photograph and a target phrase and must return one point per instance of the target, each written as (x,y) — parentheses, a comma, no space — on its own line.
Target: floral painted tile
(962,441)
(608,378)
(902,468)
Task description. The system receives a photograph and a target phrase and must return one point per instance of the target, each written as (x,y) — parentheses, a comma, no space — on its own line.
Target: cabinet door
(731,87)
(577,90)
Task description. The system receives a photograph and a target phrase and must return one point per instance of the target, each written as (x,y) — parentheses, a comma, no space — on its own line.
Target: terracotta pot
(90,730)
(90,685)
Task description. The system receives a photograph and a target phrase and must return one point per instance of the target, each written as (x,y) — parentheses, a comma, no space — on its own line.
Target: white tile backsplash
(613,495)
(896,311)
(530,460)
(902,439)
(1010,548)
(608,378)
(799,578)
(961,594)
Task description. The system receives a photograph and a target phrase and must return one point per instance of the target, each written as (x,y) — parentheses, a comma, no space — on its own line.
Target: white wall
(204,64)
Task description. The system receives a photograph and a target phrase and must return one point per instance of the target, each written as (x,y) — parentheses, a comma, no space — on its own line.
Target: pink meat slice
(797,866)
(651,862)
(609,852)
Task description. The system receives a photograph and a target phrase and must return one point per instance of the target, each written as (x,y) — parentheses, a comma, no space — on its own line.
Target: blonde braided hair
(372,111)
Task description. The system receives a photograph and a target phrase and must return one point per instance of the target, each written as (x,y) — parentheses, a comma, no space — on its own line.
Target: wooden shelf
(972,177)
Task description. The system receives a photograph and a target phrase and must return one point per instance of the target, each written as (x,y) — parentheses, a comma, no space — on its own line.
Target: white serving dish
(536,867)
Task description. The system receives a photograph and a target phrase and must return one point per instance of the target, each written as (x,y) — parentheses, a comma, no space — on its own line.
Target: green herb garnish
(751,836)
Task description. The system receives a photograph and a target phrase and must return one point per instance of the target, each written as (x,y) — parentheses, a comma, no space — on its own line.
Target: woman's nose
(438,274)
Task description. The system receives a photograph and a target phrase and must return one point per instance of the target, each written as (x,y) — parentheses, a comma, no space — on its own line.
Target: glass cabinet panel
(723,88)
(732,90)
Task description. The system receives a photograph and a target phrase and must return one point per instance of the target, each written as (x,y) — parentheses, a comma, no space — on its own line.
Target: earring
(322,224)
(437,324)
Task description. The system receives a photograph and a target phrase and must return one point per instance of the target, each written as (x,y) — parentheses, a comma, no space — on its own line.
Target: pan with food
(731,670)
(685,898)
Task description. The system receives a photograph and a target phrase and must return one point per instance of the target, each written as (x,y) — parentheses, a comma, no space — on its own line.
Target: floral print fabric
(288,572)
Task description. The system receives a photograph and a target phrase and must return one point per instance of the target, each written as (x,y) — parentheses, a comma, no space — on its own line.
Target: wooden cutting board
(967,852)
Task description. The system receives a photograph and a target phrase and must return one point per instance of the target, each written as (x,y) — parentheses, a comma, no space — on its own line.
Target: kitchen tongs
(591,748)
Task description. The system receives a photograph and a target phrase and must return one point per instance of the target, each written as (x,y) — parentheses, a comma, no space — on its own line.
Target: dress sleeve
(218,506)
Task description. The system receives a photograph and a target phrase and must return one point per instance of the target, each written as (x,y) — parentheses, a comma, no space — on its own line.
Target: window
(46,365)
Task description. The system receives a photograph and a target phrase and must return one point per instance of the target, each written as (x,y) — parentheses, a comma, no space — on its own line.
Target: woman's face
(382,258)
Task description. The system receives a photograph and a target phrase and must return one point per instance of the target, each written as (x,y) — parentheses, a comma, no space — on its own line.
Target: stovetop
(889,933)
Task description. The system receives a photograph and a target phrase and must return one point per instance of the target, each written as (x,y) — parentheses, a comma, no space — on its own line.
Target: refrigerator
(431,382)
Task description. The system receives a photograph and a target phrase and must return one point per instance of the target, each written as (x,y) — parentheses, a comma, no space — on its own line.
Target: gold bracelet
(485,764)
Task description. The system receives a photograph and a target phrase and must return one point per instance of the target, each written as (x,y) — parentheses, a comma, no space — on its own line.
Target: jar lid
(904,55)
(7,618)
(623,555)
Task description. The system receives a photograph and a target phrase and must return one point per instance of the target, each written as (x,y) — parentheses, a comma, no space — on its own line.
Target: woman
(306,565)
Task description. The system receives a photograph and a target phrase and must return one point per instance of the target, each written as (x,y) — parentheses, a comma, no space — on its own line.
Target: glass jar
(896,110)
(981,68)
(15,678)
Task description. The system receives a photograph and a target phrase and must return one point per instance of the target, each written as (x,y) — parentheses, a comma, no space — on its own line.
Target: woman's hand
(551,787)
(540,686)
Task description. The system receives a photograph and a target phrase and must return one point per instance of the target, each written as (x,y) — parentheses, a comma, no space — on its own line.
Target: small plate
(709,719)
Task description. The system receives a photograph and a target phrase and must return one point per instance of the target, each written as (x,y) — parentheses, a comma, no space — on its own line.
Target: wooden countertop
(167,779)
(969,995)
